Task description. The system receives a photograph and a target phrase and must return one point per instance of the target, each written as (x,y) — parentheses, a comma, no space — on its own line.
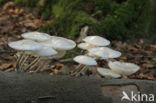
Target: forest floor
(14,21)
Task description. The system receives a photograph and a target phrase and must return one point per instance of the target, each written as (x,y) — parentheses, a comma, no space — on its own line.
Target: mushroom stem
(24,60)
(60,54)
(31,67)
(110,59)
(82,70)
(94,70)
(124,76)
(77,68)
(41,66)
(18,68)
(32,64)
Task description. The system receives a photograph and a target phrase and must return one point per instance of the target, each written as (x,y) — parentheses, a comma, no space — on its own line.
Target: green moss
(72,53)
(152,18)
(70,24)
(57,10)
(113,28)
(115,19)
(137,27)
(121,24)
(103,5)
(31,3)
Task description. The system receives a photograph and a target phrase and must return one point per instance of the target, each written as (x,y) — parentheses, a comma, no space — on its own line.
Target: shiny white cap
(37,36)
(96,40)
(86,60)
(107,73)
(25,45)
(123,68)
(104,52)
(59,43)
(45,51)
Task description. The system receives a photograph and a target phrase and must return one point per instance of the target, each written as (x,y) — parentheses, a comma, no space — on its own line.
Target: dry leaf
(5,66)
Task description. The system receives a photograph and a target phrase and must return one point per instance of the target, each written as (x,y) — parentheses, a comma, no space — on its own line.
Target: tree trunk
(43,88)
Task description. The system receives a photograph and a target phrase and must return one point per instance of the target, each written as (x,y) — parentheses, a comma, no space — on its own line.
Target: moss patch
(31,3)
(70,24)
(114,19)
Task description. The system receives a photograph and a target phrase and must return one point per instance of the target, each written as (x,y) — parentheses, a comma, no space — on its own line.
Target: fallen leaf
(5,66)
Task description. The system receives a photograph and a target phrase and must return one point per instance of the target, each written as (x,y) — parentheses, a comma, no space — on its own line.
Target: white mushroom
(85,46)
(104,52)
(37,36)
(107,73)
(123,68)
(43,54)
(60,44)
(83,61)
(25,47)
(96,40)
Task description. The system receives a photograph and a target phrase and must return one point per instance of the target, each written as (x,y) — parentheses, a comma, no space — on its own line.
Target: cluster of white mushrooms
(96,50)
(42,47)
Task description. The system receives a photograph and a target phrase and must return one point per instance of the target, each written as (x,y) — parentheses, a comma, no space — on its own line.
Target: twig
(7,51)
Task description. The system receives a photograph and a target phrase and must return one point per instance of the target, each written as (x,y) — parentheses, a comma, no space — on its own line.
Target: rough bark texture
(40,88)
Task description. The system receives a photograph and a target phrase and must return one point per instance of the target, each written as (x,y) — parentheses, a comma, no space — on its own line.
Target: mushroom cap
(104,52)
(85,46)
(37,36)
(96,40)
(123,68)
(59,43)
(25,45)
(107,73)
(45,52)
(86,60)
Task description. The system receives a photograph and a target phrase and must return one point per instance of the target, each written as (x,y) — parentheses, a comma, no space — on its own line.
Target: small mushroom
(60,44)
(36,36)
(45,52)
(96,40)
(104,52)
(25,47)
(123,68)
(107,73)
(84,61)
(42,55)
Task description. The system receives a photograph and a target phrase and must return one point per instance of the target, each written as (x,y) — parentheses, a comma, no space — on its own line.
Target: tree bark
(43,88)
